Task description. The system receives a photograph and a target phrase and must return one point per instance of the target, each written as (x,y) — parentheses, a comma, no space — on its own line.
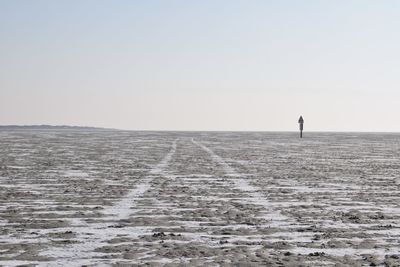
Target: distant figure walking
(301,122)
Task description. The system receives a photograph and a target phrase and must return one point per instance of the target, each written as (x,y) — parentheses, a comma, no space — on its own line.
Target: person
(301,122)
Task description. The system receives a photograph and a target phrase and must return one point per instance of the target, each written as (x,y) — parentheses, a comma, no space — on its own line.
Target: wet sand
(93,198)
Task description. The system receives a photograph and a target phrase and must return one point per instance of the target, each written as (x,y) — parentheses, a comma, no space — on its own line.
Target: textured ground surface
(72,198)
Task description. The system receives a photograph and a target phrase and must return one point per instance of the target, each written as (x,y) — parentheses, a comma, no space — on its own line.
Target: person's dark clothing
(301,121)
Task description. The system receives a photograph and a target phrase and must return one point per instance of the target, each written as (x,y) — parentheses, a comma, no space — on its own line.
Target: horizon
(217,131)
(201,66)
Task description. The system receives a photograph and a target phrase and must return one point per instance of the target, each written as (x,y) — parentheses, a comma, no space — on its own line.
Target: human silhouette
(301,122)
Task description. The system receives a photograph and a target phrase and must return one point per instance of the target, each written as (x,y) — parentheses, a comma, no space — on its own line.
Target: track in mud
(199,199)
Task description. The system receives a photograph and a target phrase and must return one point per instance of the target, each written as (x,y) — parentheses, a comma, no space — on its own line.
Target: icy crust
(199,199)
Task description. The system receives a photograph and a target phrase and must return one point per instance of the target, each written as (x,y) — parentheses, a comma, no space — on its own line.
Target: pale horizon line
(66,126)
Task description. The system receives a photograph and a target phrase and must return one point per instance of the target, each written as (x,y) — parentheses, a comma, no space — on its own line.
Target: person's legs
(301,130)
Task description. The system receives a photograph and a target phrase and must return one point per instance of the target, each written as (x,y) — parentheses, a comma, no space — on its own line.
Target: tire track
(122,209)
(91,236)
(255,197)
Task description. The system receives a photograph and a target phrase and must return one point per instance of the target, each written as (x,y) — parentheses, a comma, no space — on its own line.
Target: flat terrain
(72,198)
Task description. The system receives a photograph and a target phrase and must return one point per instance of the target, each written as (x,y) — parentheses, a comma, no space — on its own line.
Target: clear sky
(201,65)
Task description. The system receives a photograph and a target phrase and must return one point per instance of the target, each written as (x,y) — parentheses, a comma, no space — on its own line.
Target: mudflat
(120,198)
